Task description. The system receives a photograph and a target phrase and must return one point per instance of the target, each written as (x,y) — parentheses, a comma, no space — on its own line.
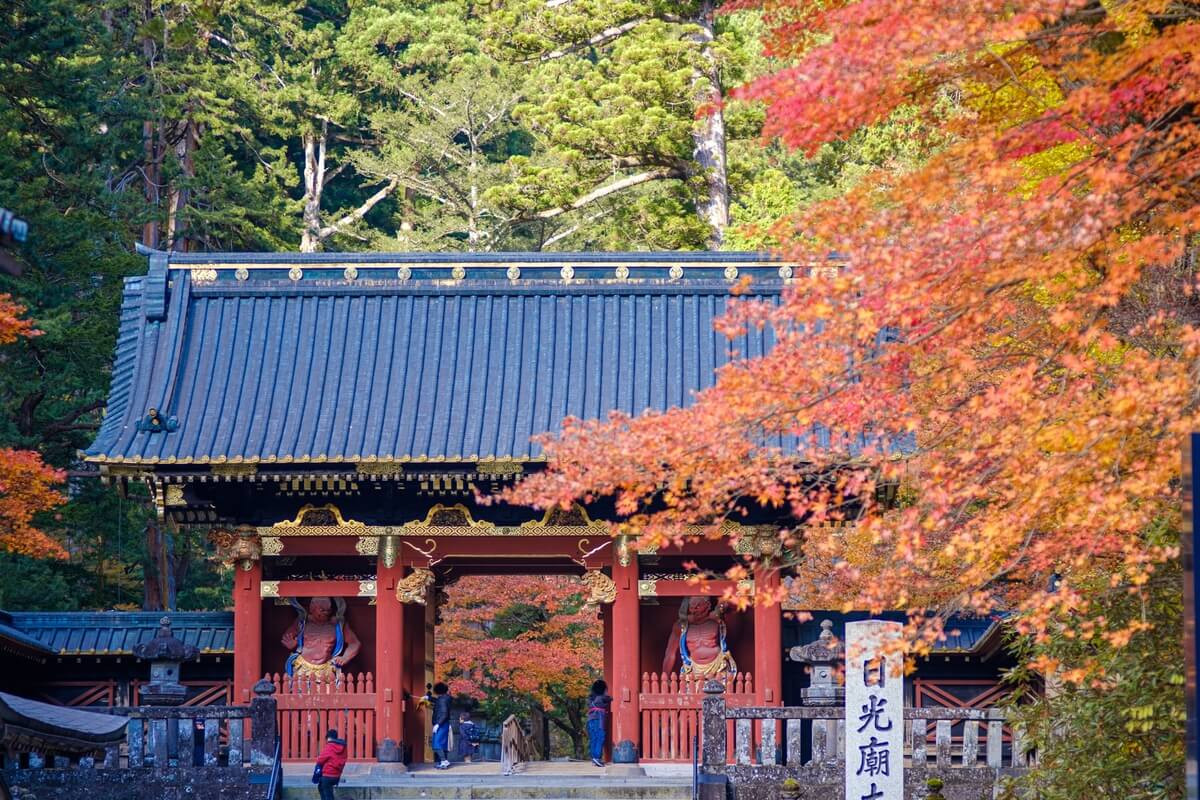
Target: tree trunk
(179,195)
(407,210)
(708,137)
(314,185)
(151,158)
(168,561)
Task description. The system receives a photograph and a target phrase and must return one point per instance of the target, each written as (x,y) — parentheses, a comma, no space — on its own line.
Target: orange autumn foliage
(553,662)
(26,482)
(1011,338)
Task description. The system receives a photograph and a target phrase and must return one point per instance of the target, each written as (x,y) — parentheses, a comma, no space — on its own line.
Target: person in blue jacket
(598,705)
(439,701)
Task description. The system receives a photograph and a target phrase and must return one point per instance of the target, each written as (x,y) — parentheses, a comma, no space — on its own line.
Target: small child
(598,707)
(468,737)
(331,762)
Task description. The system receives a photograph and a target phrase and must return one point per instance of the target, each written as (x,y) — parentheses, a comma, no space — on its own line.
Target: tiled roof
(279,358)
(24,642)
(116,632)
(963,634)
(56,721)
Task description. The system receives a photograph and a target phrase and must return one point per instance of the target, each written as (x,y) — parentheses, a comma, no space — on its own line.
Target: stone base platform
(553,780)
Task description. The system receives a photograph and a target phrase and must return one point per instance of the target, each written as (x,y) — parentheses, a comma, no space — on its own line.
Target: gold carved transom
(310,520)
(440,520)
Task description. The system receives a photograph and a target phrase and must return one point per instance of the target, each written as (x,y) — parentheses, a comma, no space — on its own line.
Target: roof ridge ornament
(155,303)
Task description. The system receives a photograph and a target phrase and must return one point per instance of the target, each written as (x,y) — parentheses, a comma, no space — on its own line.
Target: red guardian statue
(320,639)
(698,641)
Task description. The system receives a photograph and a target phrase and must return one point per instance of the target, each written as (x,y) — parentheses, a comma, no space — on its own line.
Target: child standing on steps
(331,762)
(598,706)
(468,737)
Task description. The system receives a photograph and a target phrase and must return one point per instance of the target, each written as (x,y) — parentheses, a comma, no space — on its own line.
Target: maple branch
(361,211)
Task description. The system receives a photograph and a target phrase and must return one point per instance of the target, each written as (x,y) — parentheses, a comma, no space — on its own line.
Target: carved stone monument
(822,657)
(874,711)
(165,654)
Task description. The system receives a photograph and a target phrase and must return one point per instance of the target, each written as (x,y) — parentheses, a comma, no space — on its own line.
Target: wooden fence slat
(212,740)
(820,742)
(135,735)
(795,743)
(766,754)
(918,743)
(185,732)
(158,742)
(236,742)
(995,743)
(1018,747)
(970,743)
(942,742)
(744,736)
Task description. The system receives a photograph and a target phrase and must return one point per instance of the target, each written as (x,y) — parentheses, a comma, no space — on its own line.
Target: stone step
(425,791)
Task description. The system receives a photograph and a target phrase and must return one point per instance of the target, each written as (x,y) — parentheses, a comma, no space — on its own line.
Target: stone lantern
(165,653)
(822,657)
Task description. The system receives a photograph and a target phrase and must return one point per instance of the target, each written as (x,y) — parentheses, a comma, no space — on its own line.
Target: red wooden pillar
(606,617)
(768,646)
(389,662)
(626,651)
(247,629)
(768,641)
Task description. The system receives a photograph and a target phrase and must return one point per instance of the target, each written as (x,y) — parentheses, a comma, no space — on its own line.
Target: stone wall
(139,783)
(825,782)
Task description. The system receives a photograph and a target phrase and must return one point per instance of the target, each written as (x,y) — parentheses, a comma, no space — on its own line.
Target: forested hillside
(393,125)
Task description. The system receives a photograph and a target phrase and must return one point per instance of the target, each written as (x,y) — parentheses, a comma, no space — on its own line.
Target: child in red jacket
(331,761)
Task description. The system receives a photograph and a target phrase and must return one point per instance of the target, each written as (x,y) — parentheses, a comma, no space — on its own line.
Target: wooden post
(607,619)
(389,661)
(247,629)
(626,640)
(768,656)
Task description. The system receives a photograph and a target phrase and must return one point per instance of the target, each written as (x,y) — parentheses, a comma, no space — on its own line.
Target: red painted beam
(318,588)
(319,545)
(680,588)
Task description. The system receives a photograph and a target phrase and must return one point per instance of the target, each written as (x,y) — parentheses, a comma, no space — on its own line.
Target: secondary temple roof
(286,358)
(115,633)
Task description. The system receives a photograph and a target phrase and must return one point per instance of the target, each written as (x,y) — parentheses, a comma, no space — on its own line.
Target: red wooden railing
(308,708)
(670,707)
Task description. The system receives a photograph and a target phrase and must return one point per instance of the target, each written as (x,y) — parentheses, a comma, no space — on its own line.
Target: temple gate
(336,419)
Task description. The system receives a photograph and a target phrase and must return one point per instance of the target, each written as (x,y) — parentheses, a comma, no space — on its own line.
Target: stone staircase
(539,781)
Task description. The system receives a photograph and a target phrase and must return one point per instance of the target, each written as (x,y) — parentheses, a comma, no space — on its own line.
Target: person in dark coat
(439,701)
(332,761)
(468,737)
(598,706)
